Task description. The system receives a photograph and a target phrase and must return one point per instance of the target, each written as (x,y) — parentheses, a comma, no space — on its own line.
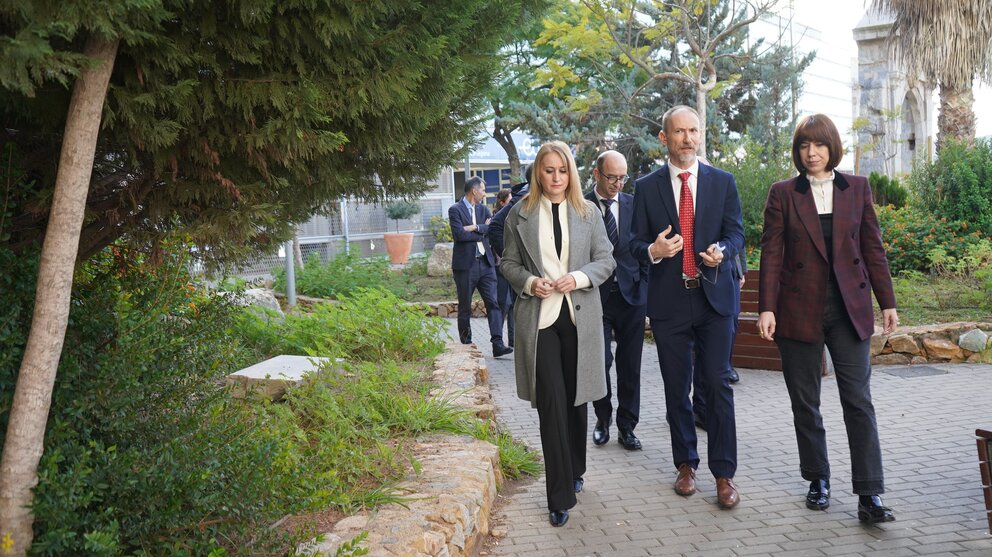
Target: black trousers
(563,424)
(801,362)
(625,323)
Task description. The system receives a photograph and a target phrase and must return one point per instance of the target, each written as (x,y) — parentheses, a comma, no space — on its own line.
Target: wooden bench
(984,439)
(751,351)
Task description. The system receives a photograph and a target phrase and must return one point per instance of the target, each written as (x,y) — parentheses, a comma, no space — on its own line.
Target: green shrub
(339,276)
(440,227)
(402,209)
(144,452)
(910,235)
(366,325)
(886,191)
(957,186)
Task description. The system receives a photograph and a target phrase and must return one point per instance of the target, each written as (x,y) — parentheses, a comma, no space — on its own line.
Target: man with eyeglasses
(624,296)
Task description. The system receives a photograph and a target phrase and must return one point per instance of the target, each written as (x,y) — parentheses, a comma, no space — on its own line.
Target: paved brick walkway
(628,507)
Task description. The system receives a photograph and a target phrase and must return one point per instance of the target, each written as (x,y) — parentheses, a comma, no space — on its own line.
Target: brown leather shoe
(726,493)
(685,483)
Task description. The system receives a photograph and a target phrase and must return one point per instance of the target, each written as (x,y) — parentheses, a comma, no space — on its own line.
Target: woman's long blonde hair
(573,193)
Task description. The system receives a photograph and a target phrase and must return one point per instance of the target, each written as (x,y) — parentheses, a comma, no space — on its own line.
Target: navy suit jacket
(463,254)
(631,271)
(718,219)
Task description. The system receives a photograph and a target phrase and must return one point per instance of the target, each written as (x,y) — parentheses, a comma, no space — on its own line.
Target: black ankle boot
(871,510)
(818,497)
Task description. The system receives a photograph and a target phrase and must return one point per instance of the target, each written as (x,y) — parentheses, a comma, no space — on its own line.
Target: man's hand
(712,256)
(470,227)
(663,246)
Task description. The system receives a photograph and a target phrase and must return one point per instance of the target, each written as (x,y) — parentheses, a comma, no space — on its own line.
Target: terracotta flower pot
(398,246)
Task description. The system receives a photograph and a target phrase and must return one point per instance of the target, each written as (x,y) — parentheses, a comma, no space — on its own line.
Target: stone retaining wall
(448,504)
(948,342)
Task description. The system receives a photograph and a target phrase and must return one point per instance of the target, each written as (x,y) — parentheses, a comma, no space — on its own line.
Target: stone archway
(911,137)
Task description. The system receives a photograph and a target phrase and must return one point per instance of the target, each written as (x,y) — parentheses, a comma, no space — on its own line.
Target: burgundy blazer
(794,268)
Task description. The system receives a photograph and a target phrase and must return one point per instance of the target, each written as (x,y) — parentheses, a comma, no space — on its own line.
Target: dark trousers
(625,323)
(677,338)
(699,388)
(801,364)
(505,298)
(482,277)
(563,425)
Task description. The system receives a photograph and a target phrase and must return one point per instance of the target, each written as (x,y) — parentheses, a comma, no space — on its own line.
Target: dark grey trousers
(801,363)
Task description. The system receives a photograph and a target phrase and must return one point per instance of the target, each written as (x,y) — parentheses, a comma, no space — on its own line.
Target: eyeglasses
(614,179)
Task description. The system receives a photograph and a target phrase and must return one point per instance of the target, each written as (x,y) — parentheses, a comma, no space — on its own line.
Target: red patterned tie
(687,220)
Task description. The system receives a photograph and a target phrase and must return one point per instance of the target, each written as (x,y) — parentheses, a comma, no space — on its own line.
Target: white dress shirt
(823,193)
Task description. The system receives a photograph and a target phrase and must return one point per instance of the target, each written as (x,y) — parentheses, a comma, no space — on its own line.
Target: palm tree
(947,42)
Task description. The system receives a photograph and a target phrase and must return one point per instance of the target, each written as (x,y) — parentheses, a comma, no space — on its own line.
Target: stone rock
(255,297)
(904,343)
(974,340)
(439,263)
(894,358)
(918,360)
(941,348)
(271,378)
(877,344)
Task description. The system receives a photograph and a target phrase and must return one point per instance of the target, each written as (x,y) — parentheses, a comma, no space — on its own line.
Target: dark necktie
(557,224)
(611,222)
(687,220)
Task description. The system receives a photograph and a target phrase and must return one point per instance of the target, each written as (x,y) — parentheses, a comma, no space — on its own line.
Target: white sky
(837,19)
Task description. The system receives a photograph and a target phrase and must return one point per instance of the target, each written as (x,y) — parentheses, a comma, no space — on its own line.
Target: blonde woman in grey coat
(556,254)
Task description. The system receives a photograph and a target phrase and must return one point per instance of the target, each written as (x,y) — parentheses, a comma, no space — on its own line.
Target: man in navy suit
(687,223)
(473,263)
(624,297)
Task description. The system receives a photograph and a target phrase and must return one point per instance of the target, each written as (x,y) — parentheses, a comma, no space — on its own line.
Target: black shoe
(818,497)
(601,434)
(871,510)
(558,518)
(629,440)
(579,482)
(500,349)
(700,422)
(511,342)
(466,340)
(734,376)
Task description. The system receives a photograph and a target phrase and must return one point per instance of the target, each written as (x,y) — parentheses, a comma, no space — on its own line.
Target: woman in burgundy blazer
(821,259)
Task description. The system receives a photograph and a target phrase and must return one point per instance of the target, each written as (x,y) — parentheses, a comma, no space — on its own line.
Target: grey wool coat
(589,251)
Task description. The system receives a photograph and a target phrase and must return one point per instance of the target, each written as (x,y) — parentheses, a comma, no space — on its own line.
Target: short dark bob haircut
(817,128)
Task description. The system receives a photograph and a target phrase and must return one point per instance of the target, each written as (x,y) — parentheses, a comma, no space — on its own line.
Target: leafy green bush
(402,209)
(440,227)
(957,186)
(368,324)
(910,235)
(886,191)
(144,452)
(339,276)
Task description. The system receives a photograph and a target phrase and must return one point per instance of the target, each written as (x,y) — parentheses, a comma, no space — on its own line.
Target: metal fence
(358,227)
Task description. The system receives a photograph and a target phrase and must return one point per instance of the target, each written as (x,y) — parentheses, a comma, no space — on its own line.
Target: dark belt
(691,283)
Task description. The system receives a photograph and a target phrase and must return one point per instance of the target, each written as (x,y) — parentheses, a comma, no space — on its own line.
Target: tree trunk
(24,443)
(956,119)
(297,252)
(701,109)
(505,139)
